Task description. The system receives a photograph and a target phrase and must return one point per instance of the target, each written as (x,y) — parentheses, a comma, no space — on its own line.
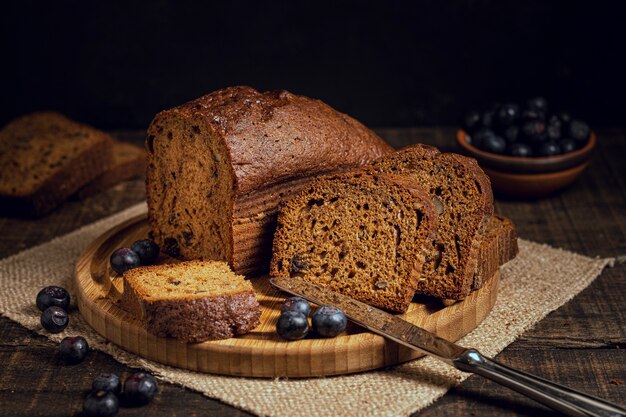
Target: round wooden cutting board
(261,353)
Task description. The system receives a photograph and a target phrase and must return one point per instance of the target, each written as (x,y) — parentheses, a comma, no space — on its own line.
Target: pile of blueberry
(293,323)
(526,132)
(141,252)
(106,393)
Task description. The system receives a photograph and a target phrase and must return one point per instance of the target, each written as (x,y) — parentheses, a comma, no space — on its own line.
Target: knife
(555,396)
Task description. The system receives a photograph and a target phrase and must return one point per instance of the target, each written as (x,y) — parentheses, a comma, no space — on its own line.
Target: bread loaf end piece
(359,233)
(498,246)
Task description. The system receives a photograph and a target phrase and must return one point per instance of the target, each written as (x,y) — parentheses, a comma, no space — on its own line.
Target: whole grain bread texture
(192,301)
(360,233)
(127,161)
(218,167)
(463,200)
(45,158)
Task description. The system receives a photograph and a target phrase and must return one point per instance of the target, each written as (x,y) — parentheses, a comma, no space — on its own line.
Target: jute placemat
(537,282)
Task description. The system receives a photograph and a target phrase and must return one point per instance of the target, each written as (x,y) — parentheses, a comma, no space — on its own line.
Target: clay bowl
(534,177)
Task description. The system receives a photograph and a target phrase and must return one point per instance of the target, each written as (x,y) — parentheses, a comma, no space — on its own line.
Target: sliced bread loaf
(463,200)
(359,233)
(46,157)
(218,167)
(128,161)
(191,301)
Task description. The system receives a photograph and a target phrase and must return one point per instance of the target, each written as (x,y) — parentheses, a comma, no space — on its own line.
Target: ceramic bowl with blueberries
(527,151)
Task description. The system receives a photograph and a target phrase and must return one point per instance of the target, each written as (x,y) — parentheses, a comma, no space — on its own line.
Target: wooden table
(580,345)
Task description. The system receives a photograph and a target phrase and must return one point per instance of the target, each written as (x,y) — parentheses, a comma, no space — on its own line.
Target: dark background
(387,63)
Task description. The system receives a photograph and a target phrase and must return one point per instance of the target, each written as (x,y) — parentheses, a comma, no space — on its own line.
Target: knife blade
(558,397)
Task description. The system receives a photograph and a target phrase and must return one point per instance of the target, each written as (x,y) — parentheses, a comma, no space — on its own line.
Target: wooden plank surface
(581,344)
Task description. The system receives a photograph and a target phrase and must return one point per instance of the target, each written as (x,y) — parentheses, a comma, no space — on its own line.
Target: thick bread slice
(499,245)
(463,200)
(46,157)
(219,165)
(128,161)
(191,301)
(359,233)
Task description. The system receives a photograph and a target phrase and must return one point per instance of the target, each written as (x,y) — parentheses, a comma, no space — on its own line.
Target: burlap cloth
(537,282)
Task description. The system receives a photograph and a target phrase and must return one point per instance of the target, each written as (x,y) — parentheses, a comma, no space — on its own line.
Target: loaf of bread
(46,157)
(218,166)
(128,161)
(359,233)
(192,301)
(463,200)
(498,246)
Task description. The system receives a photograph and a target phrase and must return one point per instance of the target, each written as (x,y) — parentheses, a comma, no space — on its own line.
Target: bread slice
(463,200)
(359,233)
(128,161)
(192,301)
(498,246)
(219,166)
(46,157)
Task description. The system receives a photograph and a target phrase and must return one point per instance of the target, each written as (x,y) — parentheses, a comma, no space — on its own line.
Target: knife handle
(555,396)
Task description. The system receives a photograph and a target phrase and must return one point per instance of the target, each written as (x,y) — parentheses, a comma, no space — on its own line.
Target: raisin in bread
(46,157)
(463,200)
(218,167)
(127,161)
(358,233)
(191,301)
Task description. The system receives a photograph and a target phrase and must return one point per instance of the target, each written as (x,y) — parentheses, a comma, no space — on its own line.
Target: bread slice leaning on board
(218,167)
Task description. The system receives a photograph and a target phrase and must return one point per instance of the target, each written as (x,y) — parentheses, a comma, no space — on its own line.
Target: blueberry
(534,130)
(73,349)
(481,136)
(488,118)
(568,145)
(107,382)
(54,319)
(140,388)
(511,133)
(520,149)
(124,259)
(533,115)
(579,130)
(292,325)
(494,144)
(472,122)
(549,148)
(538,104)
(565,117)
(53,296)
(100,404)
(296,304)
(553,129)
(147,250)
(329,321)
(508,114)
